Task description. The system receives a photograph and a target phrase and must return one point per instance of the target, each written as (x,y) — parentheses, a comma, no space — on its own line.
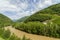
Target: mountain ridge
(52,10)
(45,22)
(4,20)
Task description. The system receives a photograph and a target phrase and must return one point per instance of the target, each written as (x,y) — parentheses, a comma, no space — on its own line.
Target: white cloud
(44,4)
(6,6)
(48,2)
(19,15)
(21,7)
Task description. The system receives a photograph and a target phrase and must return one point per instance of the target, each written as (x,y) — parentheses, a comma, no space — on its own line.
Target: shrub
(48,29)
(39,17)
(1,31)
(6,34)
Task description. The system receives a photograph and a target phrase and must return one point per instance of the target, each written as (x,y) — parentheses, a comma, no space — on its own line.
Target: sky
(16,9)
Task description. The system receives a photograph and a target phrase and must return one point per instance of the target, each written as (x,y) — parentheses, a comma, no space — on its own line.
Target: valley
(42,25)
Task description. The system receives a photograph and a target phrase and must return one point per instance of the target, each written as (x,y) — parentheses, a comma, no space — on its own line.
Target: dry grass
(20,34)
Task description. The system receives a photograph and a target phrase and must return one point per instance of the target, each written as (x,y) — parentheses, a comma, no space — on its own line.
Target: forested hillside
(45,14)
(5,34)
(22,19)
(45,22)
(4,21)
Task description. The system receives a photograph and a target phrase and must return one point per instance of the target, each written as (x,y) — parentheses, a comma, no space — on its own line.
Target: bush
(24,38)
(6,34)
(48,29)
(39,17)
(12,37)
(1,31)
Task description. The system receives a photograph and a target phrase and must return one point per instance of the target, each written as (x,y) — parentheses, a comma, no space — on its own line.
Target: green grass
(1,38)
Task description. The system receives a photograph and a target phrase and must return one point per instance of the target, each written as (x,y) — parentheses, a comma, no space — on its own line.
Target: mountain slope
(4,21)
(45,22)
(22,19)
(54,9)
(45,14)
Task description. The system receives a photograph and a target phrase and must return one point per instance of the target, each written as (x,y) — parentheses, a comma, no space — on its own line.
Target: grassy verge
(1,38)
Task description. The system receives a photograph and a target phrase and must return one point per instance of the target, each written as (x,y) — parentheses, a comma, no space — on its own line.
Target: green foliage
(54,9)
(4,21)
(34,24)
(24,38)
(22,19)
(45,14)
(1,31)
(6,34)
(28,27)
(44,22)
(39,17)
(57,21)
(13,37)
(1,38)
(52,30)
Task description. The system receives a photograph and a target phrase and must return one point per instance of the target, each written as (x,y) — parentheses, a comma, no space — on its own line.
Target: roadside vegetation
(6,35)
(5,21)
(45,22)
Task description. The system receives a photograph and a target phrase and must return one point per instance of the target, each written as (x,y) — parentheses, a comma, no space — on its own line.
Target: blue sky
(16,9)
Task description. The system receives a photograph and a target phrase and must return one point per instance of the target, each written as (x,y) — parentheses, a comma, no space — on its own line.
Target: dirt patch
(20,34)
